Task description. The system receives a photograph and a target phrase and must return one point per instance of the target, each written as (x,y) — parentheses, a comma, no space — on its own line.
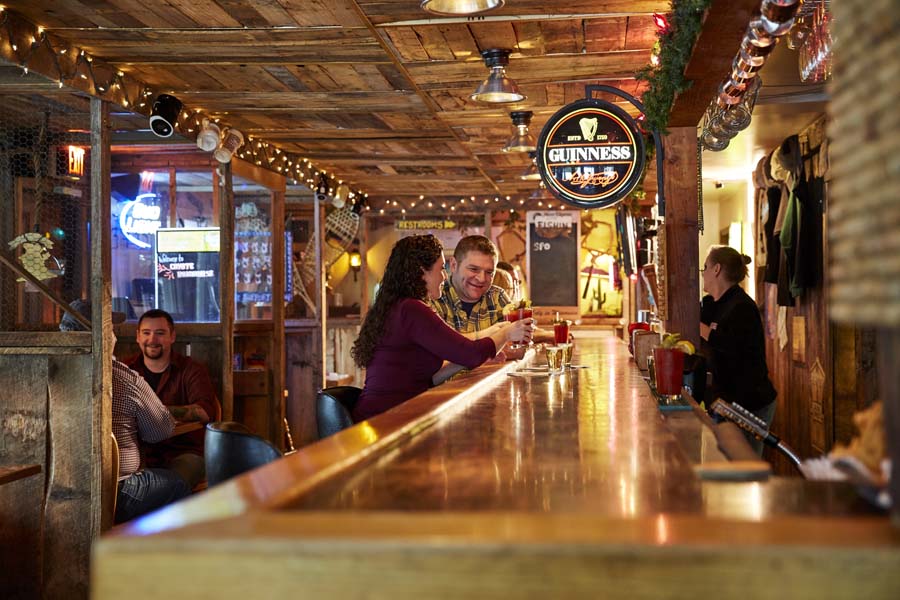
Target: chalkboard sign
(553,240)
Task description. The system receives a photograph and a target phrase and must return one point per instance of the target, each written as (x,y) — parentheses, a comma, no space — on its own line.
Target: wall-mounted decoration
(591,154)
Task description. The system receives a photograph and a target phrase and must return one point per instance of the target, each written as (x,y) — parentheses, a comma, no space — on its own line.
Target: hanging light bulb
(522,140)
(497,88)
(531,173)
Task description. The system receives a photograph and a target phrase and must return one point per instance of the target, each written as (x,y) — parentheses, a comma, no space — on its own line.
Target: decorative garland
(676,43)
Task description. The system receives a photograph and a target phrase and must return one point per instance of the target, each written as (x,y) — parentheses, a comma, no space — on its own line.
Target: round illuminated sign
(591,154)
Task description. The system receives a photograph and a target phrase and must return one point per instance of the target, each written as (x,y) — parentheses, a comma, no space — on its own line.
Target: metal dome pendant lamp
(497,88)
(460,7)
(531,173)
(522,140)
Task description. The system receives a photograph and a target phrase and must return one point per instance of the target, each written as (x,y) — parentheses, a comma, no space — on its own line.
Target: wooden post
(320,370)
(364,266)
(226,288)
(101,318)
(276,407)
(682,244)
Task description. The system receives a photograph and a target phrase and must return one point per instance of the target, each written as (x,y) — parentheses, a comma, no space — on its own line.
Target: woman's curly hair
(410,258)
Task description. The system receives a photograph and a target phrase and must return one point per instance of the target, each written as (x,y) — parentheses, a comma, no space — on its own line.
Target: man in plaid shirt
(469,302)
(136,413)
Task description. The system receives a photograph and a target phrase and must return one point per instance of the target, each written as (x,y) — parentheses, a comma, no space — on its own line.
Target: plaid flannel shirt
(487,311)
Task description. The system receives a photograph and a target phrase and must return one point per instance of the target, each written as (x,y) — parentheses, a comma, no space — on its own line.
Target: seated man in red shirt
(185,389)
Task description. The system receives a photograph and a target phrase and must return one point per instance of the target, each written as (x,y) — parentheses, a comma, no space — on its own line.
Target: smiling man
(470,302)
(185,389)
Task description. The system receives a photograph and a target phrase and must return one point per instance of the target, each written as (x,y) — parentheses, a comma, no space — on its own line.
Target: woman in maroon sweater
(403,342)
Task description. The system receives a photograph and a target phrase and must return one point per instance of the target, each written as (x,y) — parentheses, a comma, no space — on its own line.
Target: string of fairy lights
(30,46)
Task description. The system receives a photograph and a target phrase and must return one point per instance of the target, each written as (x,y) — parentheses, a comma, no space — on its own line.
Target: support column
(682,230)
(101,316)
(226,286)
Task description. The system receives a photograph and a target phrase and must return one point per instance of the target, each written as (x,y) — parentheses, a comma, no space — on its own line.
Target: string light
(73,66)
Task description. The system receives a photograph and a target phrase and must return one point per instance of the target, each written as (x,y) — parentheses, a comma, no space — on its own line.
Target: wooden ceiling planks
(386,12)
(259,46)
(375,91)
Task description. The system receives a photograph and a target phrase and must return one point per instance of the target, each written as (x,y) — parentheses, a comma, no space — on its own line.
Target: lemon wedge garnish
(685,346)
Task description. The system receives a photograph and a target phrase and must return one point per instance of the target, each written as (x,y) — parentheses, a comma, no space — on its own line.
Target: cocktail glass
(567,355)
(561,332)
(669,364)
(513,316)
(554,359)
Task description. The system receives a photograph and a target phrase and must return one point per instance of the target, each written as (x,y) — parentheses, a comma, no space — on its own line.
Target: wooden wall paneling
(682,242)
(73,501)
(98,420)
(846,345)
(226,288)
(889,350)
(23,440)
(300,358)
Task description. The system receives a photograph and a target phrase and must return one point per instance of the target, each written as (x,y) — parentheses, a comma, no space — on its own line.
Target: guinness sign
(591,154)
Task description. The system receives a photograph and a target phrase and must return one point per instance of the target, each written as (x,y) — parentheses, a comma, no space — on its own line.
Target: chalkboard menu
(553,240)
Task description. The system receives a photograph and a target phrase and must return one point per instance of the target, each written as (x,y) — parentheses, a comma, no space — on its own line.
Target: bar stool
(333,408)
(231,449)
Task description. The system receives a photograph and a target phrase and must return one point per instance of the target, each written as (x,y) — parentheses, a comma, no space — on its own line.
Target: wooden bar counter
(501,486)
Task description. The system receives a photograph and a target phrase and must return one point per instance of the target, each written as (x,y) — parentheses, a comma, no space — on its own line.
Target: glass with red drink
(669,364)
(561,332)
(521,311)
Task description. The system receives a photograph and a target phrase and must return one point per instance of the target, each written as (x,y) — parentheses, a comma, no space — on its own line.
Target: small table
(16,472)
(182,427)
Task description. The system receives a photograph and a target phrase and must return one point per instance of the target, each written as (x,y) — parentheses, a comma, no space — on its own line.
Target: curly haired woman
(403,343)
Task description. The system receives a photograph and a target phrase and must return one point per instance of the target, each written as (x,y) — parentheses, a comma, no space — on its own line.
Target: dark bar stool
(334,406)
(231,449)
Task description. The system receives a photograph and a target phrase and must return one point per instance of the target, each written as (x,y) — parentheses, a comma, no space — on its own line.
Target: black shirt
(736,350)
(154,378)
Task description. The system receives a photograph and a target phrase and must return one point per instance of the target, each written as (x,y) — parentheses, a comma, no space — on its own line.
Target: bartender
(733,341)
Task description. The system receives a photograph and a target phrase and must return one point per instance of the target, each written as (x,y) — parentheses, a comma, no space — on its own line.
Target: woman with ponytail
(732,330)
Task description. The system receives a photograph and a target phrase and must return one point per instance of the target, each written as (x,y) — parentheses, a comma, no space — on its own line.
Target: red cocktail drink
(669,363)
(561,332)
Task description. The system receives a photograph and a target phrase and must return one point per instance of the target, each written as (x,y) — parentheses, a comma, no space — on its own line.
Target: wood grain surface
(494,487)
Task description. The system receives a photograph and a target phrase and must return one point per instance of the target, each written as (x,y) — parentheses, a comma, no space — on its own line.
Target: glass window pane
(252,250)
(195,200)
(139,206)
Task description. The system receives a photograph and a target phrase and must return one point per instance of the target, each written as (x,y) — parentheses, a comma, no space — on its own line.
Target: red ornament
(661,22)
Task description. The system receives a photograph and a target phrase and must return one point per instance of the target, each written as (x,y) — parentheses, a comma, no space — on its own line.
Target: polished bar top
(557,478)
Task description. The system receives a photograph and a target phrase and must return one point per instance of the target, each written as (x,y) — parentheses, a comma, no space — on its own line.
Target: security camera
(321,197)
(164,115)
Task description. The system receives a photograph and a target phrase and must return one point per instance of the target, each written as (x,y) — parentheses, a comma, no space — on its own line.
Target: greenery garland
(675,47)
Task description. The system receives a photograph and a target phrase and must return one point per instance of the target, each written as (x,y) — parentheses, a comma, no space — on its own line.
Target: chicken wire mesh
(45,201)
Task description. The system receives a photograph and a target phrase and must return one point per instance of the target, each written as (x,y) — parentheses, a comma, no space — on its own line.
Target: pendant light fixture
(460,7)
(497,88)
(531,173)
(522,140)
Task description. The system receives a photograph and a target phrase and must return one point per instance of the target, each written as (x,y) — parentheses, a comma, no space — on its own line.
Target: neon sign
(138,218)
